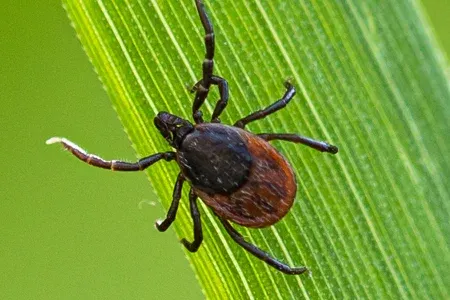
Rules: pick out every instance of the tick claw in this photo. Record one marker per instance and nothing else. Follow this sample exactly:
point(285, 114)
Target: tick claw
point(288, 82)
point(158, 225)
point(54, 140)
point(333, 149)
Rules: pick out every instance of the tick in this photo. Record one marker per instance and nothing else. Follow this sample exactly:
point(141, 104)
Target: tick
point(238, 174)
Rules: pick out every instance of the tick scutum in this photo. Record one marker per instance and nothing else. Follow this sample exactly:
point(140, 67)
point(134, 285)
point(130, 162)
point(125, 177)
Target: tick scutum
point(215, 158)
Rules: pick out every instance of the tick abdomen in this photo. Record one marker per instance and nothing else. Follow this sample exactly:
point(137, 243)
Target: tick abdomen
point(239, 175)
point(215, 158)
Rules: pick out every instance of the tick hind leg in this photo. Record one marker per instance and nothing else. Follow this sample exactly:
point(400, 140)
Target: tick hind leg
point(318, 145)
point(202, 87)
point(198, 233)
point(260, 114)
point(264, 256)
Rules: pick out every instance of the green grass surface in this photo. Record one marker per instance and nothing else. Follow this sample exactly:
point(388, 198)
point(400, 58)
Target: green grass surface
point(370, 222)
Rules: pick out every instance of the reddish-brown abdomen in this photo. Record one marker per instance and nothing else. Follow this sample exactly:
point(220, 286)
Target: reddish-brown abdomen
point(268, 193)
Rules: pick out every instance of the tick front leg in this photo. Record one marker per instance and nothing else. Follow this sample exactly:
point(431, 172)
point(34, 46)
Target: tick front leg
point(198, 234)
point(202, 87)
point(115, 165)
point(223, 101)
point(172, 213)
point(264, 256)
point(295, 138)
point(260, 114)
point(208, 63)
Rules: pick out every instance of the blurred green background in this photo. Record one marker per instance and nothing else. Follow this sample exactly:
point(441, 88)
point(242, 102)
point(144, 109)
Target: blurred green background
point(69, 231)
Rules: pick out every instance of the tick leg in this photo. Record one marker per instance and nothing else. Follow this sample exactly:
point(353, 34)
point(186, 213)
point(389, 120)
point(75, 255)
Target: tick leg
point(208, 63)
point(260, 114)
point(237, 237)
point(318, 145)
point(198, 234)
point(115, 165)
point(202, 87)
point(172, 213)
point(223, 101)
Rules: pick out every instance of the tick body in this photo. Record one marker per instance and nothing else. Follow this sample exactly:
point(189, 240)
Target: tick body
point(236, 173)
point(245, 180)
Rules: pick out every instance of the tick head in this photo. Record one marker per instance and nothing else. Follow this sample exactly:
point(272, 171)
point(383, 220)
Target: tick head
point(172, 128)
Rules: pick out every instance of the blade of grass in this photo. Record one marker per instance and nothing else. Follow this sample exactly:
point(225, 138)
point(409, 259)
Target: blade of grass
point(371, 222)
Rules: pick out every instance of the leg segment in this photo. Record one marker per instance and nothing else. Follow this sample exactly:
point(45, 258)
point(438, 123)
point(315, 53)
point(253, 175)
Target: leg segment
point(223, 101)
point(260, 114)
point(172, 213)
point(198, 234)
point(208, 63)
point(318, 145)
point(202, 87)
point(115, 165)
point(259, 253)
